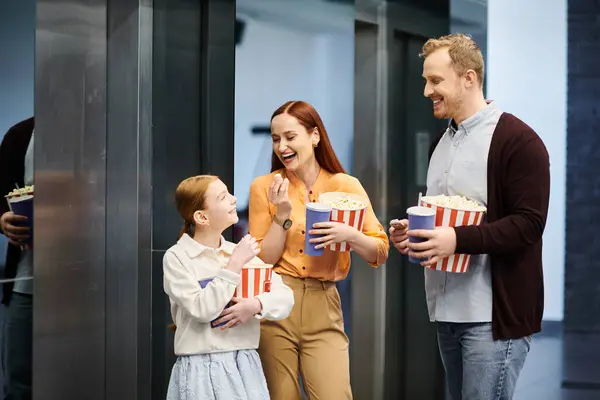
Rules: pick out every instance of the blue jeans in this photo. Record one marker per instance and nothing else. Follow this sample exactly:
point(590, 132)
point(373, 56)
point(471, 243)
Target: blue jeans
point(477, 366)
point(18, 346)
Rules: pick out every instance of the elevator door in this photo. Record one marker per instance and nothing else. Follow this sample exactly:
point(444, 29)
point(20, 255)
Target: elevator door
point(412, 128)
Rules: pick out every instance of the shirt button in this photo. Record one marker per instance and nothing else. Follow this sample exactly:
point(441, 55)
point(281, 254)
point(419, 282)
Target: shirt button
point(446, 172)
point(303, 232)
point(441, 287)
point(303, 267)
point(310, 192)
point(301, 251)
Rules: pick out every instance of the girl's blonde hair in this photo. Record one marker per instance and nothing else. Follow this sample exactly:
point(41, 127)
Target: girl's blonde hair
point(190, 197)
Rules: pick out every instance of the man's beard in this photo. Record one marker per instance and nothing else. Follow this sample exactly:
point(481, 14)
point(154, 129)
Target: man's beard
point(451, 106)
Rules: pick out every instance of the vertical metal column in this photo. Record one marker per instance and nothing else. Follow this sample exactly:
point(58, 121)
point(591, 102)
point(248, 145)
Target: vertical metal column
point(70, 205)
point(128, 199)
point(193, 115)
point(393, 352)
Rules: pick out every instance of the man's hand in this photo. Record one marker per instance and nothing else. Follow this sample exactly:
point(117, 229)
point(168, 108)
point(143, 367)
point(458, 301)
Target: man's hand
point(441, 243)
point(16, 234)
point(398, 235)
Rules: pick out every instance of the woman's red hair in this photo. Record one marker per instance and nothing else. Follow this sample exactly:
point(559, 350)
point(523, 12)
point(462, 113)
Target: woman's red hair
point(308, 117)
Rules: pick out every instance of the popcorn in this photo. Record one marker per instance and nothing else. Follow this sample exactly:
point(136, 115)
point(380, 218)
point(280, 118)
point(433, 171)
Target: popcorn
point(346, 208)
point(27, 190)
point(454, 202)
point(346, 204)
point(398, 224)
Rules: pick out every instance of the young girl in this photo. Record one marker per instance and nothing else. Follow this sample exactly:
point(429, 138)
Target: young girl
point(216, 360)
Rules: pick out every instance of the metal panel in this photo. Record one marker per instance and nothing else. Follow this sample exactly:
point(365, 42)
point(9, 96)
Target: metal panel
point(70, 108)
point(368, 342)
point(176, 152)
point(388, 308)
point(193, 92)
point(218, 90)
point(128, 207)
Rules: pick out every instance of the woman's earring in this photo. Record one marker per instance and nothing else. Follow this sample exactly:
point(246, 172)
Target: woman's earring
point(315, 145)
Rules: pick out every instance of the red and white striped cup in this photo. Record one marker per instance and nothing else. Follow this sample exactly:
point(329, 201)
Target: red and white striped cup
point(354, 218)
point(445, 216)
point(256, 279)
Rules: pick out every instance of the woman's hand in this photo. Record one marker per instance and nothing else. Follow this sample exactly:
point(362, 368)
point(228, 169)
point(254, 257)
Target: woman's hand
point(278, 195)
point(333, 232)
point(240, 313)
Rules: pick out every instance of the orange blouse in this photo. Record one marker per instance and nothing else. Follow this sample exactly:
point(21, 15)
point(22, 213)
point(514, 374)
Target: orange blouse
point(331, 266)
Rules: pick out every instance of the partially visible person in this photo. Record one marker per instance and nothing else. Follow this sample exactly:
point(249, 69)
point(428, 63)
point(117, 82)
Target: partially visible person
point(16, 169)
point(311, 343)
point(485, 317)
point(219, 362)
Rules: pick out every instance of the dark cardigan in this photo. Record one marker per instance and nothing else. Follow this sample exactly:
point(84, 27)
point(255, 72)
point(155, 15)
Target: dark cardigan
point(12, 171)
point(518, 189)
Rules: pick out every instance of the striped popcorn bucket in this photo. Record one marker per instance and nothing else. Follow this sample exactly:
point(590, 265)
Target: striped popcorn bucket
point(354, 218)
point(458, 263)
point(256, 279)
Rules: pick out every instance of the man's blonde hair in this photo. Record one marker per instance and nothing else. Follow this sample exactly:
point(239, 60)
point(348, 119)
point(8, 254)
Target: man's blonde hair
point(463, 51)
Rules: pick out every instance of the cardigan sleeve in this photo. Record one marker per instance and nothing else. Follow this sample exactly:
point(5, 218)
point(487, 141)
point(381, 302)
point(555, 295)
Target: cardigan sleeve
point(525, 196)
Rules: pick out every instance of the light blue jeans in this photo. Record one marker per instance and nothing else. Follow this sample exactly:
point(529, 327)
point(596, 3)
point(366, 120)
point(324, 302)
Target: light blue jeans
point(477, 366)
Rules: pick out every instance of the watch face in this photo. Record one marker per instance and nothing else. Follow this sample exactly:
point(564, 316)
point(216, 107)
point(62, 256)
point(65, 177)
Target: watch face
point(287, 223)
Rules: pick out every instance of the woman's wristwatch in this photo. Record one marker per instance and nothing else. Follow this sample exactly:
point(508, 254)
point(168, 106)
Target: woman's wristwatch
point(285, 223)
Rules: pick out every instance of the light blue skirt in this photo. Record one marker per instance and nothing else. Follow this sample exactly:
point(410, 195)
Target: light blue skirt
point(234, 375)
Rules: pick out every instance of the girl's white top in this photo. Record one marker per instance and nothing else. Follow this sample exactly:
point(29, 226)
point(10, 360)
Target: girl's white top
point(192, 308)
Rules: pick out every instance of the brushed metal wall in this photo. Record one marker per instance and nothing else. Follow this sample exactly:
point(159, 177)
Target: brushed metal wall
point(129, 97)
point(394, 349)
point(128, 264)
point(70, 215)
point(93, 200)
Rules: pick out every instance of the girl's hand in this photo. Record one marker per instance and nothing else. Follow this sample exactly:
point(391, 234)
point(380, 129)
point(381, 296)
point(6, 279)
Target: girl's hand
point(333, 232)
point(243, 253)
point(238, 314)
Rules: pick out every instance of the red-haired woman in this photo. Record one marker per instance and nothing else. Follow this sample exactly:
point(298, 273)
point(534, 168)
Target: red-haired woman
point(311, 342)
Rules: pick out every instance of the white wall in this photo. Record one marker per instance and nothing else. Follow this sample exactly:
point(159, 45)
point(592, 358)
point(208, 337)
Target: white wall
point(17, 47)
point(527, 76)
point(276, 63)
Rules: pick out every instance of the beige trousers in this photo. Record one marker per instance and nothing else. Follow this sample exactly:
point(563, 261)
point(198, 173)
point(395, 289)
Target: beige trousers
point(311, 342)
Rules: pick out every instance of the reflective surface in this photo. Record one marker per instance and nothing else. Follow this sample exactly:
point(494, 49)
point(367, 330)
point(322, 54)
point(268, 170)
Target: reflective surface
point(128, 200)
point(70, 213)
point(192, 117)
point(394, 125)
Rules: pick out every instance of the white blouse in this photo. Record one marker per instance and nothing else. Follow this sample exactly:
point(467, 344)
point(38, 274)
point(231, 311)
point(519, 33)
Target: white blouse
point(193, 308)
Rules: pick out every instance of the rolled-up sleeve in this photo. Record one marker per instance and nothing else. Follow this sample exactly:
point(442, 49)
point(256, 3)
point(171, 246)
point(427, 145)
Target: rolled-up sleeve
point(276, 304)
point(371, 226)
point(259, 212)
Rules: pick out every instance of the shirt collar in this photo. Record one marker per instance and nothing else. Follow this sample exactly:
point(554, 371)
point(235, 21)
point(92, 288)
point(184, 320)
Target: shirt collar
point(194, 249)
point(471, 123)
point(295, 181)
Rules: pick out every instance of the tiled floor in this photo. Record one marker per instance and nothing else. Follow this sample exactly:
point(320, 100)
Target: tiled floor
point(541, 375)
